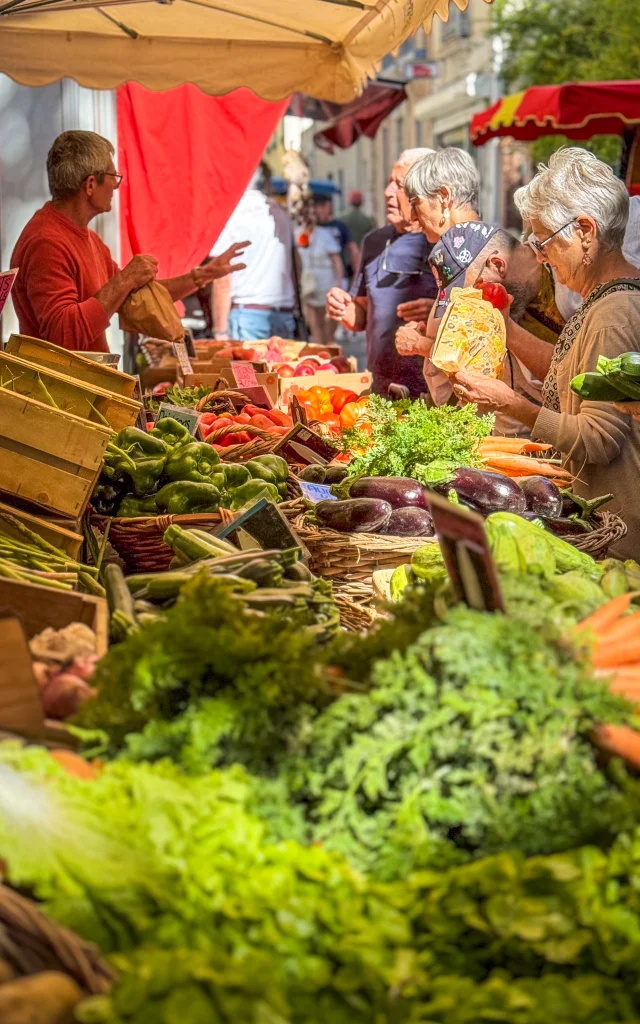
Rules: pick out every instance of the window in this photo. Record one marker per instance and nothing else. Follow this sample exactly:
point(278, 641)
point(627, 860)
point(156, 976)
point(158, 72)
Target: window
point(458, 26)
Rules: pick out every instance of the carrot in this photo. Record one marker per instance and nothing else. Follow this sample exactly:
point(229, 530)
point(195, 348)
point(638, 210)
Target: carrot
point(624, 629)
point(612, 655)
point(512, 445)
point(620, 740)
point(522, 465)
point(602, 619)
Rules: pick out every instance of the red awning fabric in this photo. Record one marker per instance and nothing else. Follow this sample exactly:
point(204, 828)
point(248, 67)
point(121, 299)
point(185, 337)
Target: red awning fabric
point(361, 117)
point(578, 110)
point(186, 159)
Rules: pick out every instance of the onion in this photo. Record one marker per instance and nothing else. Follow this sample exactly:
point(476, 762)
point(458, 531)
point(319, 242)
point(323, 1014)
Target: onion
point(64, 694)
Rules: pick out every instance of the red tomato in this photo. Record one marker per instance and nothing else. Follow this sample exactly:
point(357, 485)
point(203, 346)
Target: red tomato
point(331, 420)
point(496, 294)
point(341, 398)
point(207, 418)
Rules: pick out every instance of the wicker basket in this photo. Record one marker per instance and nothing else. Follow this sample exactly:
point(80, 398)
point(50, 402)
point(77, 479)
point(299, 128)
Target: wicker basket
point(32, 943)
point(261, 443)
point(139, 542)
point(356, 608)
point(609, 530)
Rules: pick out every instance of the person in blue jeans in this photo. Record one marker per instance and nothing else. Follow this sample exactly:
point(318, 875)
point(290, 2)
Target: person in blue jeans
point(260, 301)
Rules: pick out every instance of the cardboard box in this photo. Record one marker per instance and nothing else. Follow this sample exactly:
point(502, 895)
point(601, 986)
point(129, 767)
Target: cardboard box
point(358, 382)
point(151, 376)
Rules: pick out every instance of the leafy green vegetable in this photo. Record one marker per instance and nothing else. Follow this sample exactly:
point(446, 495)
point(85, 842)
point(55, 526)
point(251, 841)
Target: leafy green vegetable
point(409, 439)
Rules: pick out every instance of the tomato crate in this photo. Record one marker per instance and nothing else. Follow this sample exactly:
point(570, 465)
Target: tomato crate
point(48, 458)
point(71, 364)
point(65, 394)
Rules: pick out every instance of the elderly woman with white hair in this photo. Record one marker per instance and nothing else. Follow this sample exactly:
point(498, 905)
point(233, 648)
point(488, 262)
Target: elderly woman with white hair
point(578, 211)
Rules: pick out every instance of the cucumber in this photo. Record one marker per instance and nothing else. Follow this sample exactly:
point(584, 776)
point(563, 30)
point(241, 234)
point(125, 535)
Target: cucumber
point(595, 387)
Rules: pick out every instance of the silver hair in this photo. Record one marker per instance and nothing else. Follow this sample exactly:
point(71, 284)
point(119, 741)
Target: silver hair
point(411, 156)
point(575, 183)
point(451, 167)
point(72, 158)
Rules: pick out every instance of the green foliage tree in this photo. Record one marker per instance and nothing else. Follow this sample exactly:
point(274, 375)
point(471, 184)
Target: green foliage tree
point(554, 41)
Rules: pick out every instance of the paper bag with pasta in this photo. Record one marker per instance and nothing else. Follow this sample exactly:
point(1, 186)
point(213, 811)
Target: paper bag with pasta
point(472, 335)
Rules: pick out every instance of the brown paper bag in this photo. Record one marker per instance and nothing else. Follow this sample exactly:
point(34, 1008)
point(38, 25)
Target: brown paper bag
point(150, 310)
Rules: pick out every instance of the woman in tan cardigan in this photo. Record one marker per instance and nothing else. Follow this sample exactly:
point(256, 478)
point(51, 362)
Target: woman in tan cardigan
point(578, 210)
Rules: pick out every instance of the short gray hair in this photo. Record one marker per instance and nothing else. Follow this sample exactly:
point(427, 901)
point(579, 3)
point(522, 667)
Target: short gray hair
point(451, 167)
point(72, 158)
point(573, 184)
point(408, 157)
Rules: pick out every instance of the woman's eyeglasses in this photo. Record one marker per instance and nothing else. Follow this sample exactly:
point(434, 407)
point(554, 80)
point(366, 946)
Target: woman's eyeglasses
point(538, 246)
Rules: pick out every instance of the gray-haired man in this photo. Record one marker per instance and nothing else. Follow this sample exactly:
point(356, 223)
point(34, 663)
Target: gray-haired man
point(394, 285)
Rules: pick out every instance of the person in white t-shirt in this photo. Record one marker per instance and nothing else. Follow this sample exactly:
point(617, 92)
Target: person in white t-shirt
point(260, 301)
point(322, 270)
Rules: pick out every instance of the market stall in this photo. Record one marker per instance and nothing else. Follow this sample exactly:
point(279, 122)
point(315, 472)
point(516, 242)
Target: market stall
point(578, 110)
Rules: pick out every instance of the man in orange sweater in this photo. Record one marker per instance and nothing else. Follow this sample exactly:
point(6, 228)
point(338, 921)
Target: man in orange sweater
point(68, 286)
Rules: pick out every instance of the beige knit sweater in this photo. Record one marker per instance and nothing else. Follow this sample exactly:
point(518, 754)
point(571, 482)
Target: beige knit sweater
point(601, 444)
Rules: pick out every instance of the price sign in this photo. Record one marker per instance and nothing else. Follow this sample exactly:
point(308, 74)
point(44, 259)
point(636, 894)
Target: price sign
point(244, 374)
point(258, 396)
point(266, 525)
point(298, 412)
point(187, 417)
point(180, 352)
point(141, 420)
point(302, 444)
point(6, 284)
point(466, 554)
point(316, 492)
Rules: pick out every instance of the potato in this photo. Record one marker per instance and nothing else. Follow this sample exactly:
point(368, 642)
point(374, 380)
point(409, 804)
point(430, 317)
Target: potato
point(47, 998)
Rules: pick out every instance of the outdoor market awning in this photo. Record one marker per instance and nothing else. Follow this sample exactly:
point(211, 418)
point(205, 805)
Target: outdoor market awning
point(363, 116)
point(325, 48)
point(578, 110)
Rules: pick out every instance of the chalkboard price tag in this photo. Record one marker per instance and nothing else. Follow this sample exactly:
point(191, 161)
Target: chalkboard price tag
point(466, 554)
point(187, 417)
point(316, 492)
point(302, 444)
point(266, 525)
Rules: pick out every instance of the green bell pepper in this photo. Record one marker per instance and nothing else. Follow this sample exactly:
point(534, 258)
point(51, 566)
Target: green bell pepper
point(138, 443)
point(171, 432)
point(275, 463)
point(130, 508)
point(146, 476)
point(251, 492)
point(196, 461)
point(258, 471)
point(235, 475)
point(185, 496)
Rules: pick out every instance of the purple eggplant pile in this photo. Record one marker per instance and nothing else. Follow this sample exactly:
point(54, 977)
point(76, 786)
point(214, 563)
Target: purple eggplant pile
point(390, 505)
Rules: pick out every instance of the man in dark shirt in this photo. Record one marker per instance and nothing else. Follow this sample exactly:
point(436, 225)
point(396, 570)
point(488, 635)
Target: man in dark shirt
point(394, 285)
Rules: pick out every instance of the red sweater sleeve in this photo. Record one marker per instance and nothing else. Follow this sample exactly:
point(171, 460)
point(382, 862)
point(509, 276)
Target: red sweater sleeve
point(53, 293)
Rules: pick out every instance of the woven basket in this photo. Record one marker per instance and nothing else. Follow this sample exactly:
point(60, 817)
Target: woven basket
point(355, 603)
point(139, 541)
point(262, 442)
point(32, 943)
point(350, 557)
point(609, 530)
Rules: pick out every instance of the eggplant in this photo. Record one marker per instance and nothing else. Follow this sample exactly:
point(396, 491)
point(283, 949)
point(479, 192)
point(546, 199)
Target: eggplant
point(399, 491)
point(542, 496)
point(335, 474)
point(313, 474)
point(486, 492)
point(409, 522)
point(355, 515)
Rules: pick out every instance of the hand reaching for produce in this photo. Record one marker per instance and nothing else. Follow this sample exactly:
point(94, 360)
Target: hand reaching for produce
point(412, 340)
point(489, 394)
point(417, 309)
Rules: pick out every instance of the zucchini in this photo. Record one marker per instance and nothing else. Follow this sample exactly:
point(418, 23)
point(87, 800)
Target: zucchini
point(623, 372)
point(120, 601)
point(630, 365)
point(596, 387)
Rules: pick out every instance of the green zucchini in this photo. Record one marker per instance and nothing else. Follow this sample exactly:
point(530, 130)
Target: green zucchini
point(596, 387)
point(630, 365)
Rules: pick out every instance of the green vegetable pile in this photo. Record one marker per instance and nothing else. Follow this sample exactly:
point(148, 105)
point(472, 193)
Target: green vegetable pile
point(167, 471)
point(409, 439)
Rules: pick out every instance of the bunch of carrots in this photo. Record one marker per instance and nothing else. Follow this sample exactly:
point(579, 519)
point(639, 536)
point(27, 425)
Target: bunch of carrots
point(616, 658)
point(511, 456)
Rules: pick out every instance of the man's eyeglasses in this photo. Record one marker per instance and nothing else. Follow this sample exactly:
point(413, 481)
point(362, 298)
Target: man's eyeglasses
point(108, 174)
point(387, 259)
point(538, 247)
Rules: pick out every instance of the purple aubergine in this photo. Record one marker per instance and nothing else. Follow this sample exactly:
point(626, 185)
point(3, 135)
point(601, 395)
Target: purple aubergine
point(355, 515)
point(399, 491)
point(487, 492)
point(409, 522)
point(542, 496)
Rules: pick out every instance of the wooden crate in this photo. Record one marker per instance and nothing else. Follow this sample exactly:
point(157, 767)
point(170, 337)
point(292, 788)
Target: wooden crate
point(48, 458)
point(71, 364)
point(39, 607)
point(60, 537)
point(71, 396)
